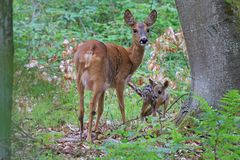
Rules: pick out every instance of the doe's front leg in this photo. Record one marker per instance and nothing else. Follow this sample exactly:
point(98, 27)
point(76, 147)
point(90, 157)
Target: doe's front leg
point(120, 90)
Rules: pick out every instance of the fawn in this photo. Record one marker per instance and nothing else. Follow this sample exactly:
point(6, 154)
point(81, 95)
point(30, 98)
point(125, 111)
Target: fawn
point(101, 66)
point(154, 95)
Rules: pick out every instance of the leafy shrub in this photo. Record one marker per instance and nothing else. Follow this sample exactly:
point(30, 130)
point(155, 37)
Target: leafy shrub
point(216, 136)
point(219, 128)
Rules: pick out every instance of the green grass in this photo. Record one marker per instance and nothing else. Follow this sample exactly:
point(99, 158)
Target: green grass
point(134, 150)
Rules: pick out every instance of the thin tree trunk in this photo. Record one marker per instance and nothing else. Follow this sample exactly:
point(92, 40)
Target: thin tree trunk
point(6, 76)
point(213, 44)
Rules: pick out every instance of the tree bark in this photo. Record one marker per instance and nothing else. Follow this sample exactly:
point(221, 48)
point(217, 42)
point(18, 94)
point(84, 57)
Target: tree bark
point(213, 45)
point(6, 76)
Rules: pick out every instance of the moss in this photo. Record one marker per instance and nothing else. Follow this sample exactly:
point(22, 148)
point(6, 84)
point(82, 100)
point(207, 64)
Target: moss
point(233, 9)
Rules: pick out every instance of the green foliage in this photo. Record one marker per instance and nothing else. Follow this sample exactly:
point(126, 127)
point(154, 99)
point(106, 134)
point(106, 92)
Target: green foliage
point(235, 5)
point(39, 29)
point(57, 115)
point(40, 26)
point(219, 129)
point(160, 141)
point(49, 155)
point(27, 83)
point(136, 150)
point(234, 10)
point(48, 138)
point(217, 132)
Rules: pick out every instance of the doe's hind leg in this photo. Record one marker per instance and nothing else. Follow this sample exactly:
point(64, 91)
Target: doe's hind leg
point(94, 100)
point(99, 110)
point(80, 88)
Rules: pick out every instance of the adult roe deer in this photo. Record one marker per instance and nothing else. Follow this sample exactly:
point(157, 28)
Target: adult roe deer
point(100, 66)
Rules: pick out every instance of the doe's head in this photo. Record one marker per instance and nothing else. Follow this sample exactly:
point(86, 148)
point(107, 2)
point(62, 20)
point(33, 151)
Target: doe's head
point(140, 30)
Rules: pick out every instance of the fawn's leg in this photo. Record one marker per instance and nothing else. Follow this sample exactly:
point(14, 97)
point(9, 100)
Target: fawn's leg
point(120, 89)
point(148, 111)
point(144, 110)
point(99, 110)
point(154, 110)
point(165, 108)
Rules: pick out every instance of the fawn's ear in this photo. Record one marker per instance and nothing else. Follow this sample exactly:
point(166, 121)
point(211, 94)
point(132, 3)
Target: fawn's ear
point(128, 17)
point(151, 19)
point(166, 83)
point(152, 83)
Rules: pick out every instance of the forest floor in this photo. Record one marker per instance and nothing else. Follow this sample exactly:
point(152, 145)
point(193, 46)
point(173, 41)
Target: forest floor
point(111, 135)
point(71, 146)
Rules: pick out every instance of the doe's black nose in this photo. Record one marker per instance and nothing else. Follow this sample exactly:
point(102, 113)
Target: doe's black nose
point(143, 40)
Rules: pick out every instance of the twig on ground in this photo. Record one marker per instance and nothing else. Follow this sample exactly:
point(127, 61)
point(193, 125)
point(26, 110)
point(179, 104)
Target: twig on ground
point(127, 122)
point(23, 132)
point(140, 136)
point(176, 101)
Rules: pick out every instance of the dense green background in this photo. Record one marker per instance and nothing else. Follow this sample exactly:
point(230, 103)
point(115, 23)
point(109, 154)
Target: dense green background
point(41, 26)
point(40, 108)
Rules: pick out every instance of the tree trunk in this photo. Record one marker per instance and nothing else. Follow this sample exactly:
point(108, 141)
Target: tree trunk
point(213, 45)
point(6, 76)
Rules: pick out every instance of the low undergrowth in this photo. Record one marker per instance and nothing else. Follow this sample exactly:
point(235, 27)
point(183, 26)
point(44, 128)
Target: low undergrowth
point(53, 133)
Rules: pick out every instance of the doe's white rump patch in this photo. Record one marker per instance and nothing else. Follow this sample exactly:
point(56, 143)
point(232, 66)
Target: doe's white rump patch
point(88, 58)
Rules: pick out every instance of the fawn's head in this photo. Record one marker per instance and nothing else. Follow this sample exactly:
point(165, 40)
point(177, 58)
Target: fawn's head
point(140, 30)
point(158, 88)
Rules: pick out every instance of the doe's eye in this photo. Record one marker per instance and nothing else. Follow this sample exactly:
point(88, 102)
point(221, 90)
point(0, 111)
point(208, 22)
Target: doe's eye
point(159, 92)
point(148, 30)
point(135, 31)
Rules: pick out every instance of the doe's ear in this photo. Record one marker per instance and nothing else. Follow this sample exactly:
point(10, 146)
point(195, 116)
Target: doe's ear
point(151, 19)
point(128, 17)
point(166, 84)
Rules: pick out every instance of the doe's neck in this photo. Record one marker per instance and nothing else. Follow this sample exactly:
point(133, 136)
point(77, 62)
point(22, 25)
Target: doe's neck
point(136, 53)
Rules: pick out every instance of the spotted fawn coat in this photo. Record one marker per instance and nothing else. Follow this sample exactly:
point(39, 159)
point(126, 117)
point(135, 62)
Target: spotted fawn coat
point(153, 95)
